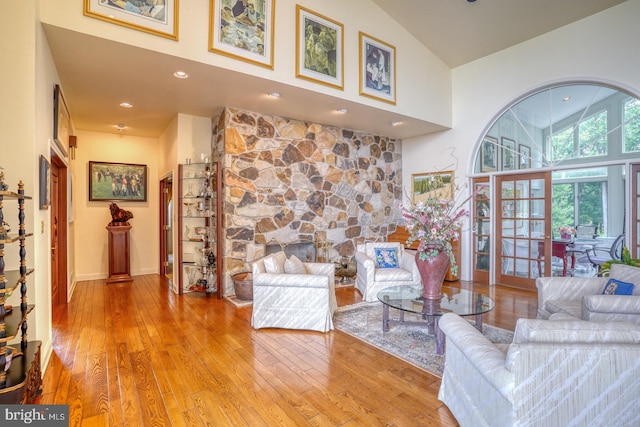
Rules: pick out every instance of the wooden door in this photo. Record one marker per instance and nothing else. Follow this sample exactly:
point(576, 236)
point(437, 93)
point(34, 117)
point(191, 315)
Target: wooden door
point(632, 239)
point(59, 230)
point(481, 217)
point(55, 286)
point(523, 220)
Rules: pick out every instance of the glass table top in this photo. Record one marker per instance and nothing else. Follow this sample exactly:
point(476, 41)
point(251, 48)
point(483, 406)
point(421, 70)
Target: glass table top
point(458, 301)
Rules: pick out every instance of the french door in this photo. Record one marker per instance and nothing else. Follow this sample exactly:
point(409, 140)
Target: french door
point(523, 228)
point(634, 237)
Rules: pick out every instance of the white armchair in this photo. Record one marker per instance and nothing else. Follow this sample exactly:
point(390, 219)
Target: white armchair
point(581, 297)
point(293, 294)
point(370, 279)
point(554, 373)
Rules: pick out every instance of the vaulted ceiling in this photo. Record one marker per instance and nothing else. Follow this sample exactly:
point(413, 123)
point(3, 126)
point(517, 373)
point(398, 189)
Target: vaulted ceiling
point(457, 31)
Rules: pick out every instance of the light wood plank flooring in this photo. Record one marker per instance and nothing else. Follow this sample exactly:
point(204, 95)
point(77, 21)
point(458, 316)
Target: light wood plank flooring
point(135, 354)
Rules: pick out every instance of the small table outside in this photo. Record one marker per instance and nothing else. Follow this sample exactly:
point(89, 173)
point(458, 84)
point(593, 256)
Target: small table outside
point(408, 299)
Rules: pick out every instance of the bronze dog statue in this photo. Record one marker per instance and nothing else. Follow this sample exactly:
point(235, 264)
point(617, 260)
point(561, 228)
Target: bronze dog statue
point(119, 216)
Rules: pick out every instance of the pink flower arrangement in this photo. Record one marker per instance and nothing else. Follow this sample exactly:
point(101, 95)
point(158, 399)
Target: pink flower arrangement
point(435, 223)
point(565, 230)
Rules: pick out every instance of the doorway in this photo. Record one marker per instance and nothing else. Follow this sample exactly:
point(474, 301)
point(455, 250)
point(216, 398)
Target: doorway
point(166, 228)
point(59, 231)
point(523, 228)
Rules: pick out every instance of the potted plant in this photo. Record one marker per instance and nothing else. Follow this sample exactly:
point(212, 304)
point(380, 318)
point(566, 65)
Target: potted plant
point(626, 259)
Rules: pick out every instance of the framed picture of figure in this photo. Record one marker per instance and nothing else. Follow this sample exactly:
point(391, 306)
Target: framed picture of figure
point(159, 17)
point(117, 182)
point(319, 48)
point(489, 155)
point(243, 29)
point(377, 69)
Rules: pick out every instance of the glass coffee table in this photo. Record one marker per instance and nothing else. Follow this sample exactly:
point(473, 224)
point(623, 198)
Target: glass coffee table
point(408, 299)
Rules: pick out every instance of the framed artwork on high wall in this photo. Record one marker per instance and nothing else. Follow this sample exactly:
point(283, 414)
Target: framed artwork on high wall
point(159, 17)
point(61, 121)
point(319, 49)
point(524, 155)
point(117, 182)
point(243, 29)
point(377, 69)
point(509, 154)
point(489, 155)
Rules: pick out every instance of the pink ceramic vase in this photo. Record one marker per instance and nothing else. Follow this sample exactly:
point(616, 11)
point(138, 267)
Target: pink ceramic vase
point(432, 272)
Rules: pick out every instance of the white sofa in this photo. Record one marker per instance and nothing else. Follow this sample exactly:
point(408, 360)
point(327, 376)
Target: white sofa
point(554, 373)
point(581, 297)
point(303, 299)
point(370, 280)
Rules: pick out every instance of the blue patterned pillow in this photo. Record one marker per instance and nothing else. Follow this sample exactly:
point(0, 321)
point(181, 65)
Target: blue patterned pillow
point(386, 257)
point(617, 287)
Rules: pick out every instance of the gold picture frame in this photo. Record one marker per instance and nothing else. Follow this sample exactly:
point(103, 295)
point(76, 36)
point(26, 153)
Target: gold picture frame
point(61, 121)
point(319, 49)
point(377, 69)
point(243, 30)
point(437, 185)
point(160, 20)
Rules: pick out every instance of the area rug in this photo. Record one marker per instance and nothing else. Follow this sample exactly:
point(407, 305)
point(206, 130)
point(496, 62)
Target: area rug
point(410, 343)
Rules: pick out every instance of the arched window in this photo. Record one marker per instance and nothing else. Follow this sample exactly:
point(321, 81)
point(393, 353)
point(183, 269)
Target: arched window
point(562, 125)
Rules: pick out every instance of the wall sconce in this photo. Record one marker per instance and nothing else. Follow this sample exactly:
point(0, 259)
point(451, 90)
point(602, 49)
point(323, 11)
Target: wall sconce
point(73, 144)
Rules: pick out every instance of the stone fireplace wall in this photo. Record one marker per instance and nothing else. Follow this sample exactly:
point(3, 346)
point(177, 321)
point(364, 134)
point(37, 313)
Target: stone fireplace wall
point(289, 181)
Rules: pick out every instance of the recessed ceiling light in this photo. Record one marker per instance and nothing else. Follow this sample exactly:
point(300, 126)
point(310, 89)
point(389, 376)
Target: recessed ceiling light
point(342, 110)
point(567, 99)
point(120, 126)
point(126, 105)
point(275, 95)
point(181, 75)
point(395, 123)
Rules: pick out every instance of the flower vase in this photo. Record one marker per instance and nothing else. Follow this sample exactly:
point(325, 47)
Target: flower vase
point(432, 272)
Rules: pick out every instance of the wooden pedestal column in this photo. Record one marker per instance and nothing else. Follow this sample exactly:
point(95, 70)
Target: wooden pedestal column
point(119, 264)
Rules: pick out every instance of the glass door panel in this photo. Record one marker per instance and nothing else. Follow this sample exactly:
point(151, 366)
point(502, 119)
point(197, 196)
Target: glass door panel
point(521, 227)
point(482, 231)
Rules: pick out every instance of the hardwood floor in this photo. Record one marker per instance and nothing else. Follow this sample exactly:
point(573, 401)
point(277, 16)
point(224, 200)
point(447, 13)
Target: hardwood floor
point(135, 354)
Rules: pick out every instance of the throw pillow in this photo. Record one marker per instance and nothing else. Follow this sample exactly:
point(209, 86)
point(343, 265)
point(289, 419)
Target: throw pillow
point(275, 263)
point(294, 266)
point(617, 287)
point(386, 258)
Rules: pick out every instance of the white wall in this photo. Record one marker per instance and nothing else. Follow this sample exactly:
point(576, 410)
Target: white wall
point(602, 48)
point(423, 80)
point(92, 217)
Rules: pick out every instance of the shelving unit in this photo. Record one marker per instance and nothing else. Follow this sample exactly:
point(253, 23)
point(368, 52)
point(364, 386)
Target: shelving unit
point(22, 381)
point(199, 229)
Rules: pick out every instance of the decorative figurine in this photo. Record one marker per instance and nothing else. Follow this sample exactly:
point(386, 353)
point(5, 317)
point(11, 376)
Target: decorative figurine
point(3, 185)
point(119, 216)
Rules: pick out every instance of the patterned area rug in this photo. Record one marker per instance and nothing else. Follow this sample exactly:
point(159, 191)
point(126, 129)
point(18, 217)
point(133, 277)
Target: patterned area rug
point(410, 343)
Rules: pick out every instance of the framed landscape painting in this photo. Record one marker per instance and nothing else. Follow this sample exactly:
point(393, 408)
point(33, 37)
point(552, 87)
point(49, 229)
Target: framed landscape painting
point(243, 29)
point(117, 181)
point(436, 185)
point(319, 48)
point(159, 17)
point(377, 69)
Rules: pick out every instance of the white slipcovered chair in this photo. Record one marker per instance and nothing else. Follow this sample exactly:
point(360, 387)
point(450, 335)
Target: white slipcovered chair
point(554, 373)
point(370, 279)
point(291, 294)
point(582, 297)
